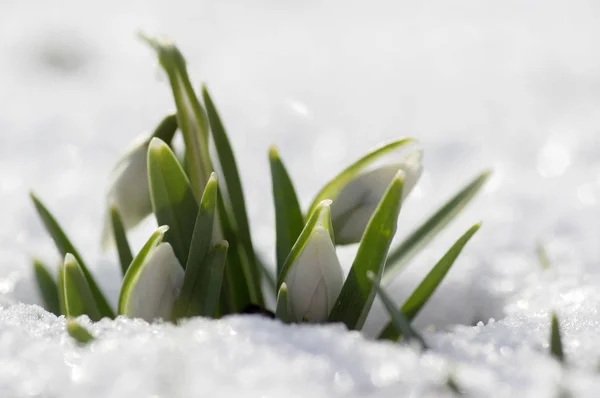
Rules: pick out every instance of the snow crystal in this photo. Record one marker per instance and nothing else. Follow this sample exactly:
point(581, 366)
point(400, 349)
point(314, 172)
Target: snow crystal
point(509, 85)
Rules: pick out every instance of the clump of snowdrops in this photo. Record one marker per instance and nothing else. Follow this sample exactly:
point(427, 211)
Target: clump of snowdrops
point(201, 260)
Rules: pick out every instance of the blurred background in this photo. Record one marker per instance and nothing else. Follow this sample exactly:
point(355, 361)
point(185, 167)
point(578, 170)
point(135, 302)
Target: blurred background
point(513, 86)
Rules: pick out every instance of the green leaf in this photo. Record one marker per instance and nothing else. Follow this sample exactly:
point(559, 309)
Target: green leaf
point(61, 288)
point(427, 287)
point(321, 215)
point(172, 198)
point(166, 128)
point(289, 220)
point(235, 194)
point(125, 256)
point(47, 287)
point(134, 271)
point(337, 183)
point(556, 346)
point(357, 295)
point(236, 292)
point(80, 334)
point(281, 310)
point(400, 322)
point(207, 290)
point(199, 272)
point(78, 297)
point(65, 246)
point(269, 277)
point(191, 117)
point(542, 256)
point(419, 238)
point(453, 385)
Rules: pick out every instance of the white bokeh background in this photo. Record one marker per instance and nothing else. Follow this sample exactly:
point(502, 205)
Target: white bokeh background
point(513, 85)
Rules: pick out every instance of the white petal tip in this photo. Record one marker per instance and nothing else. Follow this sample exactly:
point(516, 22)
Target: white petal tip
point(70, 261)
point(163, 229)
point(157, 143)
point(325, 203)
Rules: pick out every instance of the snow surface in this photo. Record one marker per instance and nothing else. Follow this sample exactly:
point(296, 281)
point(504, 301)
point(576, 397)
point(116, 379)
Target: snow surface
point(512, 85)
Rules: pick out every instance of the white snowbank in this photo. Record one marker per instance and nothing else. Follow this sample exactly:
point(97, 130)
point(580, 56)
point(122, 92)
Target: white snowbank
point(510, 85)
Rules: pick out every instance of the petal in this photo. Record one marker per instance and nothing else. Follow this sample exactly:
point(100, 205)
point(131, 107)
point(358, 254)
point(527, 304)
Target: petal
point(356, 202)
point(318, 308)
point(314, 278)
point(157, 286)
point(129, 191)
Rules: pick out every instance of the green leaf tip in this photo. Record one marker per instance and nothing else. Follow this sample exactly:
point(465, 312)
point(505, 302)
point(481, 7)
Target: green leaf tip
point(281, 310)
point(64, 246)
point(556, 346)
point(421, 295)
point(120, 236)
point(400, 322)
point(47, 287)
point(431, 227)
point(78, 297)
point(191, 116)
point(273, 152)
point(79, 333)
point(542, 256)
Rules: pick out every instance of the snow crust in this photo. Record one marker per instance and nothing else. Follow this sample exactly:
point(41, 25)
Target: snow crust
point(510, 85)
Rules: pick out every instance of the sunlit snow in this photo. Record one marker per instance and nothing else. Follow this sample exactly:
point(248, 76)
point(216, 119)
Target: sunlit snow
point(508, 85)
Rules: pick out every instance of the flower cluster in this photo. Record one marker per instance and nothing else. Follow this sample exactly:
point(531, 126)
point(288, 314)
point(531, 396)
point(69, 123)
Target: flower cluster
point(201, 260)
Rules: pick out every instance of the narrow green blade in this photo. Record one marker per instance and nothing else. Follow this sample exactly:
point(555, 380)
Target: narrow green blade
point(427, 287)
point(125, 256)
point(166, 128)
point(235, 194)
point(335, 185)
point(289, 220)
point(65, 246)
point(47, 286)
point(191, 117)
point(281, 310)
point(453, 385)
point(269, 277)
point(80, 334)
point(419, 238)
point(61, 288)
point(133, 272)
point(236, 293)
point(198, 271)
point(399, 320)
point(556, 346)
point(207, 290)
point(357, 295)
point(78, 296)
point(172, 198)
point(542, 256)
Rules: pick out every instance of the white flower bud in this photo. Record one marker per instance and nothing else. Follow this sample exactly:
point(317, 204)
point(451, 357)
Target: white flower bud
point(128, 188)
point(351, 210)
point(157, 286)
point(315, 279)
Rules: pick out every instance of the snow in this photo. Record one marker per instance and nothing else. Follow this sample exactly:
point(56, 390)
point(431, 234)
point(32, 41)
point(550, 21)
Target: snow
point(510, 85)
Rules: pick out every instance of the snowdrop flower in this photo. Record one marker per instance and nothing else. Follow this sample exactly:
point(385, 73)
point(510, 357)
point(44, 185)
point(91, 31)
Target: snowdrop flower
point(156, 286)
point(128, 188)
point(352, 208)
point(315, 277)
